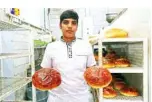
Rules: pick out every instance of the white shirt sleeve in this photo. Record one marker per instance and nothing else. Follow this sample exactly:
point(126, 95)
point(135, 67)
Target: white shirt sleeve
point(90, 58)
point(47, 61)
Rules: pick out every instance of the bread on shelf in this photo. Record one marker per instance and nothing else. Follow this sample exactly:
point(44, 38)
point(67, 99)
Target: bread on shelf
point(111, 54)
point(129, 91)
point(108, 63)
point(119, 85)
point(122, 62)
point(109, 92)
point(115, 33)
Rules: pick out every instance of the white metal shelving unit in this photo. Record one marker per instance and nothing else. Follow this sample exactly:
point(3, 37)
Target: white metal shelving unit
point(13, 55)
point(9, 85)
point(138, 53)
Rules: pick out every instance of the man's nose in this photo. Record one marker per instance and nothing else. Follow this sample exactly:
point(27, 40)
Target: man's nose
point(70, 25)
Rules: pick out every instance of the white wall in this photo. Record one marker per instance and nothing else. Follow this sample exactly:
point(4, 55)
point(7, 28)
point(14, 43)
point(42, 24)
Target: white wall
point(136, 22)
point(34, 16)
point(98, 16)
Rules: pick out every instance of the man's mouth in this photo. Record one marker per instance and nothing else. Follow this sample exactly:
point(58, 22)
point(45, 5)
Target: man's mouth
point(69, 31)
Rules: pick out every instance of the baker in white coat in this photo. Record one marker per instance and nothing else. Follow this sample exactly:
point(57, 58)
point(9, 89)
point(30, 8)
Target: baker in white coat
point(70, 56)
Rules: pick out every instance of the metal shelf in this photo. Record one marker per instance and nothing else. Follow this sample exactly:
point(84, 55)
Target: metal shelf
point(9, 85)
point(12, 22)
point(9, 22)
point(13, 55)
point(132, 69)
point(122, 39)
point(7, 25)
point(121, 98)
point(127, 70)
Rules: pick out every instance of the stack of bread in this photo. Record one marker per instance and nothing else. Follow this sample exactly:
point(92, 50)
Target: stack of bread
point(111, 60)
point(118, 85)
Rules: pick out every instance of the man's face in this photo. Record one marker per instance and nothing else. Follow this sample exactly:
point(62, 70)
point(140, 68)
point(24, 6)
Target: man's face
point(69, 27)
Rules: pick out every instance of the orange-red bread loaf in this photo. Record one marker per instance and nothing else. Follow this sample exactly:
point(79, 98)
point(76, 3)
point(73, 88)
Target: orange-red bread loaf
point(122, 62)
point(97, 77)
point(108, 63)
point(129, 91)
point(109, 92)
point(46, 79)
point(119, 85)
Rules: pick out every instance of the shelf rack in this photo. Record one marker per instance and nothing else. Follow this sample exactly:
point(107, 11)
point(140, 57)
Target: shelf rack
point(132, 69)
point(9, 22)
point(121, 98)
point(13, 55)
point(9, 85)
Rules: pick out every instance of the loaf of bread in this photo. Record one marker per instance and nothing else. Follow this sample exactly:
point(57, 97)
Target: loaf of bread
point(129, 91)
point(109, 92)
point(97, 77)
point(108, 63)
point(122, 62)
point(111, 55)
point(46, 79)
point(116, 33)
point(119, 85)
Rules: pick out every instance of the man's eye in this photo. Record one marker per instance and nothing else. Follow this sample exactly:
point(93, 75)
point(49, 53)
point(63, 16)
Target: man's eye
point(65, 22)
point(74, 23)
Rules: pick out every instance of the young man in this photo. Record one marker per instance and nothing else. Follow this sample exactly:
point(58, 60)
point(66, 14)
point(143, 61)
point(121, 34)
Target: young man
point(70, 56)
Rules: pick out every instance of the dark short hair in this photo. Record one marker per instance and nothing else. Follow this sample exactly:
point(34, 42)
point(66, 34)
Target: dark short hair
point(69, 14)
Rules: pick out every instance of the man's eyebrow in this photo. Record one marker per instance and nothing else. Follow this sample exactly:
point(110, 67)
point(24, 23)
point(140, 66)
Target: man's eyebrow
point(68, 20)
point(74, 21)
point(65, 20)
